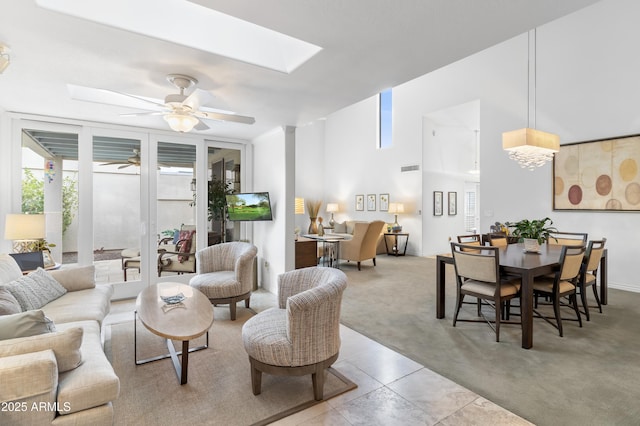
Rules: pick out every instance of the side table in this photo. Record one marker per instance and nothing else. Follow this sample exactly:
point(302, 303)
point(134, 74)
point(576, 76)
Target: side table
point(395, 248)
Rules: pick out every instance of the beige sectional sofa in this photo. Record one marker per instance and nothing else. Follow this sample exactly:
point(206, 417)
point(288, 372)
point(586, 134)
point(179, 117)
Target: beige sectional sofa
point(59, 377)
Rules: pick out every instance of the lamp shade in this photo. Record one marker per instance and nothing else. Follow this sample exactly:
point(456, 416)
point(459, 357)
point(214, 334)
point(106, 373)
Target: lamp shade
point(395, 208)
point(332, 207)
point(24, 227)
point(299, 206)
point(531, 148)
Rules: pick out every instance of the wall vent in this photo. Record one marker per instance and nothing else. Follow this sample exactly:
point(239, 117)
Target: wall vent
point(409, 168)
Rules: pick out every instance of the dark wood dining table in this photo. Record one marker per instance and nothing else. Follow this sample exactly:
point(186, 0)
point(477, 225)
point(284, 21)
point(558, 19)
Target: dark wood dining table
point(514, 260)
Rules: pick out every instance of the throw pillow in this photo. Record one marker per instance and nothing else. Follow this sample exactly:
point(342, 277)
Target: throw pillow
point(35, 290)
point(185, 244)
point(64, 344)
point(8, 304)
point(74, 279)
point(24, 324)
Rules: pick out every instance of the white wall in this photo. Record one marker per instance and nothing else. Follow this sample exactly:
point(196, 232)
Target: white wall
point(587, 88)
point(273, 172)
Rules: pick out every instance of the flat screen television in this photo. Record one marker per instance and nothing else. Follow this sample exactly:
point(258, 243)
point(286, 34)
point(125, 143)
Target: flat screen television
point(249, 206)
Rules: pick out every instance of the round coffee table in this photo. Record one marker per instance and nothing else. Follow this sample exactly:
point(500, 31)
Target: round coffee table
point(185, 321)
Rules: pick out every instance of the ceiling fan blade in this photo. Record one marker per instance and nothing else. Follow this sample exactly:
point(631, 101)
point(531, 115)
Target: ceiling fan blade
point(197, 98)
point(113, 163)
point(112, 97)
point(124, 166)
point(225, 117)
point(201, 126)
point(142, 114)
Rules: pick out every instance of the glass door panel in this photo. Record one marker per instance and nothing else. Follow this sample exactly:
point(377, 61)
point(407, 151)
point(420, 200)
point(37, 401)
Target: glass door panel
point(116, 208)
point(224, 166)
point(49, 185)
point(176, 209)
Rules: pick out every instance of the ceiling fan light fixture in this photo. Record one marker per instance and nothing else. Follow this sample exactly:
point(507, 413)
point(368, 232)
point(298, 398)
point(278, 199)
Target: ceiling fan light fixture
point(181, 122)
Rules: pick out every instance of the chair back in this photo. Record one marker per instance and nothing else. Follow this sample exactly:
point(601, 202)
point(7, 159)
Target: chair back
point(571, 258)
point(567, 239)
point(370, 241)
point(312, 297)
point(592, 256)
point(470, 240)
point(479, 265)
point(497, 239)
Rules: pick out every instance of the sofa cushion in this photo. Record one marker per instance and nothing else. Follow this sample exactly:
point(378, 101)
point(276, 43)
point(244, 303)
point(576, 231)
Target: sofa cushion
point(64, 344)
point(81, 305)
point(8, 304)
point(74, 279)
point(93, 383)
point(9, 269)
point(24, 324)
point(35, 290)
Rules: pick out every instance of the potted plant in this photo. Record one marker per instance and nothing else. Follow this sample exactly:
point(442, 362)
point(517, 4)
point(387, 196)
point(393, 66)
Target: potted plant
point(532, 232)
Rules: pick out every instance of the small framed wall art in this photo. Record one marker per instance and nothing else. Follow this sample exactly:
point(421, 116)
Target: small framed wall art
point(359, 202)
point(453, 203)
point(437, 203)
point(384, 202)
point(371, 202)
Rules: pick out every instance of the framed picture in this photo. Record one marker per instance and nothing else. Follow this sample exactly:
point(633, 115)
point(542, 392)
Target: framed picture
point(384, 202)
point(359, 202)
point(453, 203)
point(598, 175)
point(371, 202)
point(47, 259)
point(437, 203)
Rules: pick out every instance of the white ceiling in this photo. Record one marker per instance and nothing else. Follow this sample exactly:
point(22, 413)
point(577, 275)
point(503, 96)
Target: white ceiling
point(367, 46)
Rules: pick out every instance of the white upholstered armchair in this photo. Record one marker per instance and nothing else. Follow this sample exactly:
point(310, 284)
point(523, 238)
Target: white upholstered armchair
point(302, 335)
point(224, 273)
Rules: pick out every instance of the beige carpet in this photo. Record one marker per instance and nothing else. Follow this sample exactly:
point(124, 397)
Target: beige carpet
point(218, 391)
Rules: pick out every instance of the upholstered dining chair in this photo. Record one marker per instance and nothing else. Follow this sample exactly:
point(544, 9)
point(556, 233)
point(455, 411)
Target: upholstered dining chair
point(589, 273)
point(478, 275)
point(562, 284)
point(470, 240)
point(497, 239)
point(224, 273)
point(567, 238)
point(302, 335)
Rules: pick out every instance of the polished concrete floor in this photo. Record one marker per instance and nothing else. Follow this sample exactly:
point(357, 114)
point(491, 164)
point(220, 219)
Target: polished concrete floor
point(392, 389)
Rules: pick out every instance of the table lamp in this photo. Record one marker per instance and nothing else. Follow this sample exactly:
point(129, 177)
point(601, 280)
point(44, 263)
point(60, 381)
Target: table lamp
point(332, 208)
point(395, 209)
point(299, 206)
point(24, 230)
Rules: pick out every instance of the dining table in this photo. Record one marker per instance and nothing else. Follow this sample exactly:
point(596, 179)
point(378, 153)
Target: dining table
point(514, 260)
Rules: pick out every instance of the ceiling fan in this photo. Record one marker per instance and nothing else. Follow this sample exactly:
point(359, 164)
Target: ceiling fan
point(182, 112)
point(131, 161)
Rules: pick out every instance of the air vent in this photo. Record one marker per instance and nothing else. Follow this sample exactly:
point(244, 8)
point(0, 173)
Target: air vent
point(409, 168)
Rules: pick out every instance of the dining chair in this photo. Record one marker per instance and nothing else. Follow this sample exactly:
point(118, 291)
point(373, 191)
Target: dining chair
point(478, 275)
point(567, 239)
point(589, 272)
point(470, 240)
point(497, 239)
point(562, 284)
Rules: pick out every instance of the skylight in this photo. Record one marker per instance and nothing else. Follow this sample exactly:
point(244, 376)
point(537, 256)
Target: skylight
point(196, 26)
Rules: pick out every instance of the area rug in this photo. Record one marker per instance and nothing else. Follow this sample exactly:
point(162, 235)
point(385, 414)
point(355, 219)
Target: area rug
point(218, 391)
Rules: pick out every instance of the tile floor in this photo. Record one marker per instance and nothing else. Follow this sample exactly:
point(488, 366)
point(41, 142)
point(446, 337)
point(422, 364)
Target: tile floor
point(392, 389)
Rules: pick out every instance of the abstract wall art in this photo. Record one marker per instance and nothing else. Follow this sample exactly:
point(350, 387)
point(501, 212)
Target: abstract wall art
point(598, 175)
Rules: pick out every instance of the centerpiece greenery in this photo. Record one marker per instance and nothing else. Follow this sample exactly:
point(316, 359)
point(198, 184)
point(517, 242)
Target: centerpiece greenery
point(536, 229)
